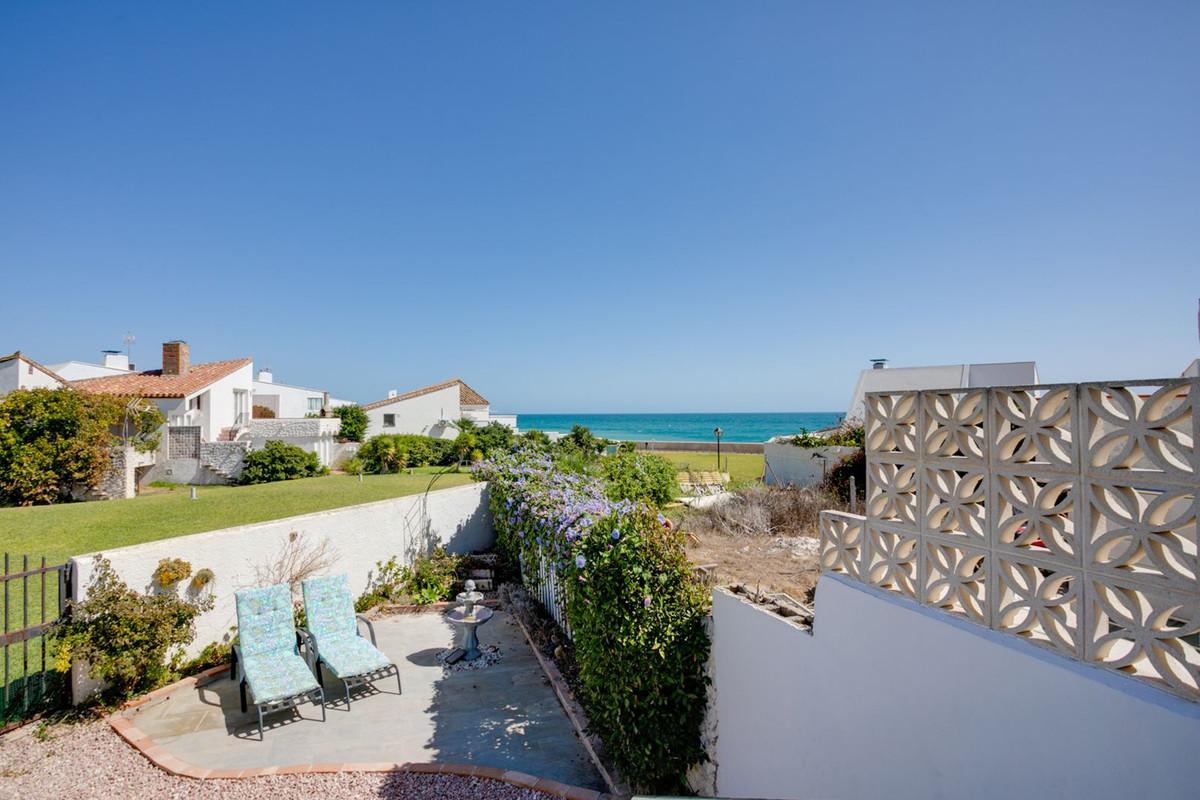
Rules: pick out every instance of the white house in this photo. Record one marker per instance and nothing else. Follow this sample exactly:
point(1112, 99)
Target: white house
point(114, 362)
point(432, 411)
point(291, 402)
point(881, 378)
point(21, 372)
point(214, 397)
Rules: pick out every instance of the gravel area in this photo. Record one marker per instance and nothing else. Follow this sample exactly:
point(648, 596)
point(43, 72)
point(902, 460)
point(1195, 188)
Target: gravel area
point(88, 760)
point(488, 654)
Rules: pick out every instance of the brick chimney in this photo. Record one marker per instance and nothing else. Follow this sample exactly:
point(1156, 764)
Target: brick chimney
point(176, 359)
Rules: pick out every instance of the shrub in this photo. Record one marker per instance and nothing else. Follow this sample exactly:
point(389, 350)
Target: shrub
point(278, 461)
point(837, 477)
point(431, 578)
point(582, 439)
point(495, 438)
point(354, 423)
point(55, 441)
point(353, 466)
point(538, 440)
point(262, 412)
point(125, 636)
point(386, 585)
point(845, 435)
point(643, 478)
point(386, 452)
point(464, 444)
point(636, 613)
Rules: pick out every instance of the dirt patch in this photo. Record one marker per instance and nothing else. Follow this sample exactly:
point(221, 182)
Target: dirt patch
point(764, 538)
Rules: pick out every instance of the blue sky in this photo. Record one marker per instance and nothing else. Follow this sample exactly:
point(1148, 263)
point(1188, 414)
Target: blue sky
point(604, 207)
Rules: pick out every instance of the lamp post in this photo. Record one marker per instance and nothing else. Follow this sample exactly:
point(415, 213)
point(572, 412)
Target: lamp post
point(717, 433)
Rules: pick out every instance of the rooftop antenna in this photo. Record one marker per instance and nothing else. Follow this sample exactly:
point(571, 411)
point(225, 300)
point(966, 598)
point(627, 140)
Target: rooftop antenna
point(129, 340)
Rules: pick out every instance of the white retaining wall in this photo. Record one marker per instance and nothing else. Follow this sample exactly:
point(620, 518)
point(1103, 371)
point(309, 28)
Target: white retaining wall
point(361, 535)
point(789, 465)
point(889, 699)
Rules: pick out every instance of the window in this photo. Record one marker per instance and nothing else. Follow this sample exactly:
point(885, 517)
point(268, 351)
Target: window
point(314, 405)
point(194, 403)
point(389, 420)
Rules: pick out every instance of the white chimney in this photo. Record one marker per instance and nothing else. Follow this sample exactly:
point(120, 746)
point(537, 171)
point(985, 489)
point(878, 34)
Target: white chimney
point(265, 376)
point(392, 393)
point(115, 359)
point(879, 363)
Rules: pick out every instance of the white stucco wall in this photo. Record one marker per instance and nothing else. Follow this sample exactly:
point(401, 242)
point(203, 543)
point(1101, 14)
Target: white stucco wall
point(422, 415)
point(218, 410)
point(289, 401)
point(20, 374)
point(9, 372)
point(889, 699)
point(788, 465)
point(360, 535)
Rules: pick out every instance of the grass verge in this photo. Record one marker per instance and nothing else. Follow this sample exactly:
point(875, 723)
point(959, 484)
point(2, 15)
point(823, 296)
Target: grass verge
point(61, 531)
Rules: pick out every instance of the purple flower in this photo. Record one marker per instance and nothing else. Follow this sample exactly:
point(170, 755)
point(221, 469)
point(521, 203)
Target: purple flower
point(580, 561)
point(646, 601)
point(616, 534)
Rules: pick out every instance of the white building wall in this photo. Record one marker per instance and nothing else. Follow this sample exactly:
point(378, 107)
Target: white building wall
point(889, 699)
point(82, 370)
point(10, 372)
point(20, 374)
point(359, 536)
point(218, 410)
point(949, 376)
point(290, 402)
point(789, 465)
point(426, 415)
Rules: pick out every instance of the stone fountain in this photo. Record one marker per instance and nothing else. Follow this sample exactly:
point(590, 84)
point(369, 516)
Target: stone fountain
point(468, 616)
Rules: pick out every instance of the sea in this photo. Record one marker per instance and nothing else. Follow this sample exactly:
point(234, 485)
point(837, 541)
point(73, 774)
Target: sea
point(685, 427)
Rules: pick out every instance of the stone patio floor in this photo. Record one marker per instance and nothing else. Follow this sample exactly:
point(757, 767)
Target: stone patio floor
point(504, 716)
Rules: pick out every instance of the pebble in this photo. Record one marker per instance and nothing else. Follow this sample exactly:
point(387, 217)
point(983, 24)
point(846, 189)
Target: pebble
point(84, 760)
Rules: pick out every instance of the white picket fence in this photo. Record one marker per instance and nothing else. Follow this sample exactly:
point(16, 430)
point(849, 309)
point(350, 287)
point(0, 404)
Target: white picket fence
point(544, 584)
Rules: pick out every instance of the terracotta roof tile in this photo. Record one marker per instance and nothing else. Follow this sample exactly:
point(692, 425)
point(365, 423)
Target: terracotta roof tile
point(466, 395)
point(154, 384)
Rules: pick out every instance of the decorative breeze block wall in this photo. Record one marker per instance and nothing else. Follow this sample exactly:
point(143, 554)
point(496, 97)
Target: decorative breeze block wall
point(1064, 514)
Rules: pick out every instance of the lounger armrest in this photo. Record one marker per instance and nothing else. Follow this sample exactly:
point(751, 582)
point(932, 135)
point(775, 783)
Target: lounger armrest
point(235, 662)
point(311, 654)
point(370, 627)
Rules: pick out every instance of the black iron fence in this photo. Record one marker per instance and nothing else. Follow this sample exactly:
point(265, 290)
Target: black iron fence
point(34, 595)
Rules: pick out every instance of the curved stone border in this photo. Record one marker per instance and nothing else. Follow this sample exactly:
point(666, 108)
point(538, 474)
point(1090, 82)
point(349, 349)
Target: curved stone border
point(164, 760)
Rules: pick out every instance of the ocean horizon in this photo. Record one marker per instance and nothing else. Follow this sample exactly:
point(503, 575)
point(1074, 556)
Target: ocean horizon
point(685, 427)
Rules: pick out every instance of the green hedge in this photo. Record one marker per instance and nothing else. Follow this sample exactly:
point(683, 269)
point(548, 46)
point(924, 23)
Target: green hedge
point(635, 611)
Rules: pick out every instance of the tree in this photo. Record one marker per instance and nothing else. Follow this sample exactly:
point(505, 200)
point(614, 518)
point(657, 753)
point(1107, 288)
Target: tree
point(54, 442)
point(464, 445)
point(354, 422)
point(582, 439)
point(494, 436)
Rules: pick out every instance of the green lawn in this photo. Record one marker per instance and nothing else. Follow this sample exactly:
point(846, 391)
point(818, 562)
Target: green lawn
point(61, 531)
point(743, 468)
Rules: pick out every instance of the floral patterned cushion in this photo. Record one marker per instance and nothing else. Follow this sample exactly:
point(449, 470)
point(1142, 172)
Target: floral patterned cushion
point(265, 620)
point(278, 675)
point(351, 655)
point(330, 612)
point(329, 607)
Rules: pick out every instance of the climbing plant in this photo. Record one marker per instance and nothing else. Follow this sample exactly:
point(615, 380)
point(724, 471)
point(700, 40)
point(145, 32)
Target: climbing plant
point(636, 614)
